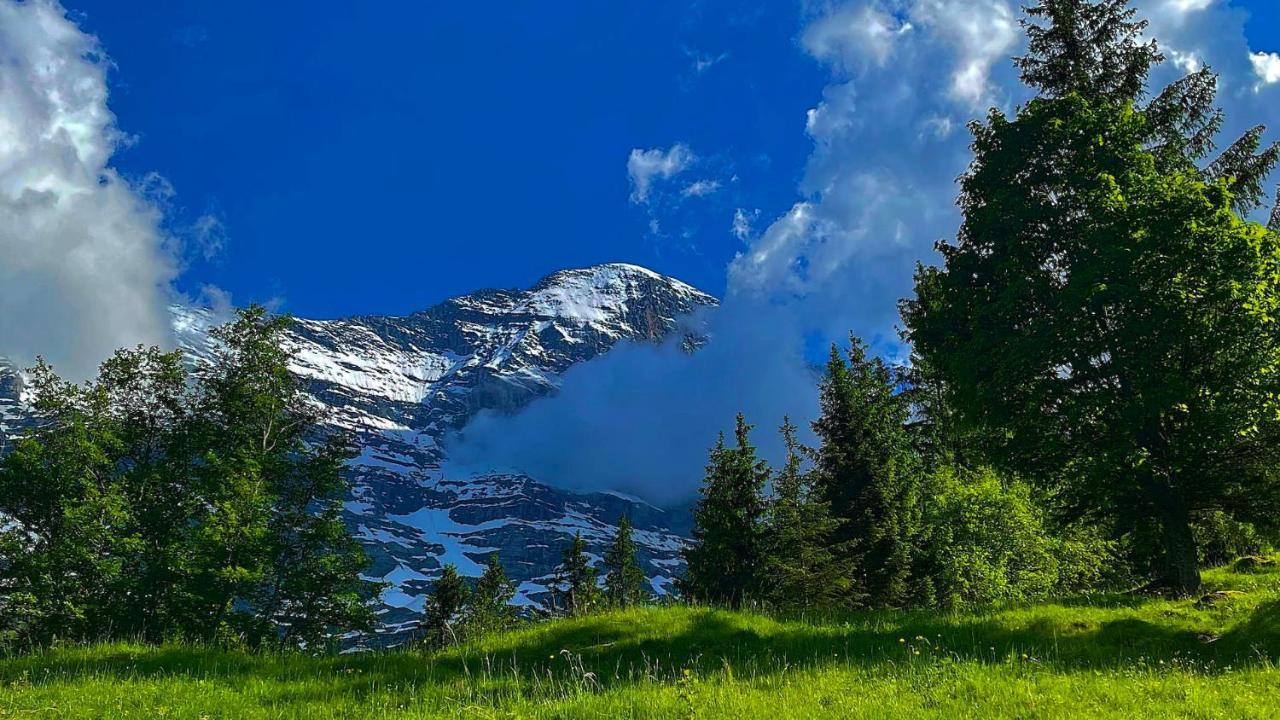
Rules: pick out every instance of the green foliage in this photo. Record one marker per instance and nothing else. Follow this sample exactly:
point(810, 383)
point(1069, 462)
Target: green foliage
point(868, 472)
point(624, 581)
point(725, 555)
point(803, 565)
point(489, 609)
point(1106, 323)
point(1222, 539)
point(575, 590)
point(449, 595)
point(158, 502)
point(989, 541)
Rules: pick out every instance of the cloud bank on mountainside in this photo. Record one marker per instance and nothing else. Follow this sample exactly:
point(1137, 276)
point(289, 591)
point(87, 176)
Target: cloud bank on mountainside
point(889, 139)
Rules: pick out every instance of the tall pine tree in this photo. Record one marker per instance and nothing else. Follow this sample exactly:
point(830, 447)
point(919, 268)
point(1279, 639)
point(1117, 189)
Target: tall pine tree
point(724, 556)
point(804, 565)
point(576, 591)
point(623, 579)
point(489, 609)
point(866, 469)
point(449, 596)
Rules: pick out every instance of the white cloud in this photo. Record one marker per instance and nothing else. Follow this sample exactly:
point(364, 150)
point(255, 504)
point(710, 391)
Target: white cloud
point(703, 63)
point(855, 34)
point(644, 166)
point(744, 224)
point(1267, 67)
point(1187, 62)
point(701, 188)
point(1186, 7)
point(84, 265)
point(980, 33)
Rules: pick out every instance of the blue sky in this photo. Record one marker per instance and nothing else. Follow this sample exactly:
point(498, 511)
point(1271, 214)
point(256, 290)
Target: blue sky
point(796, 157)
point(375, 158)
point(371, 158)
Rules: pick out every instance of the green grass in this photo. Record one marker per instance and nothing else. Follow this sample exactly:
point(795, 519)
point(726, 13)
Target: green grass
point(1105, 657)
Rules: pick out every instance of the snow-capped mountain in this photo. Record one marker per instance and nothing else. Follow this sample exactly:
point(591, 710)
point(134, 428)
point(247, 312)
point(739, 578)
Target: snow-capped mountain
point(400, 384)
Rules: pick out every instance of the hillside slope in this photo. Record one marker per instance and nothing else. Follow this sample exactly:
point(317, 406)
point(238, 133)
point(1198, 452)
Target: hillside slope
point(1105, 657)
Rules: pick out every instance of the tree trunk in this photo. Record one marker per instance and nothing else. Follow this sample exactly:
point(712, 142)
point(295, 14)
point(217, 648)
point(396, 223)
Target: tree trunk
point(1181, 571)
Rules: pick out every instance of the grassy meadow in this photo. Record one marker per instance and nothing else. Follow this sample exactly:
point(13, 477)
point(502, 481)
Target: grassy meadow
point(1100, 657)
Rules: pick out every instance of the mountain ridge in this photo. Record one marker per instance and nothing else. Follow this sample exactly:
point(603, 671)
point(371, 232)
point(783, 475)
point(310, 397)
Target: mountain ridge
point(400, 384)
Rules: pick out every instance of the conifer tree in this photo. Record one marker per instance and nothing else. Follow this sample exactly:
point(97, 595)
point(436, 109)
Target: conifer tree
point(490, 609)
point(724, 556)
point(802, 562)
point(575, 586)
point(623, 579)
point(1091, 47)
point(449, 596)
point(866, 469)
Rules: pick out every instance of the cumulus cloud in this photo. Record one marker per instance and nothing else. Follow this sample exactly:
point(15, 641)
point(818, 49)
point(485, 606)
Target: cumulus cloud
point(646, 166)
point(1267, 67)
point(878, 191)
point(84, 265)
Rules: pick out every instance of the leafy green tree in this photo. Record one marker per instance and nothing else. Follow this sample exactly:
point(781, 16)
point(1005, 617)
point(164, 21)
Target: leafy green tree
point(988, 541)
point(867, 470)
point(725, 554)
point(271, 551)
point(575, 589)
point(161, 502)
point(803, 564)
point(449, 596)
point(623, 579)
point(490, 609)
point(1106, 322)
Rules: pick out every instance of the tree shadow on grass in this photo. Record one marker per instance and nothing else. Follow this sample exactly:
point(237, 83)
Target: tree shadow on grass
point(617, 650)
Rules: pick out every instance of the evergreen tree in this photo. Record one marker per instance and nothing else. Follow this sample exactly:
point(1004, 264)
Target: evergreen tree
point(801, 558)
point(490, 609)
point(448, 598)
point(866, 469)
point(1103, 321)
point(726, 550)
point(623, 579)
point(575, 587)
point(1093, 48)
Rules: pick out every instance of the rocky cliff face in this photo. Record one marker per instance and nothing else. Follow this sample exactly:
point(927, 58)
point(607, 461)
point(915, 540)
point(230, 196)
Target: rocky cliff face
point(400, 384)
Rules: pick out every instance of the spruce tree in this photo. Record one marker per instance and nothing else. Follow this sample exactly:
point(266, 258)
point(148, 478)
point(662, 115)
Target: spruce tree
point(725, 552)
point(866, 469)
point(1103, 321)
point(490, 609)
point(802, 562)
point(449, 596)
point(1091, 47)
point(623, 580)
point(575, 587)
